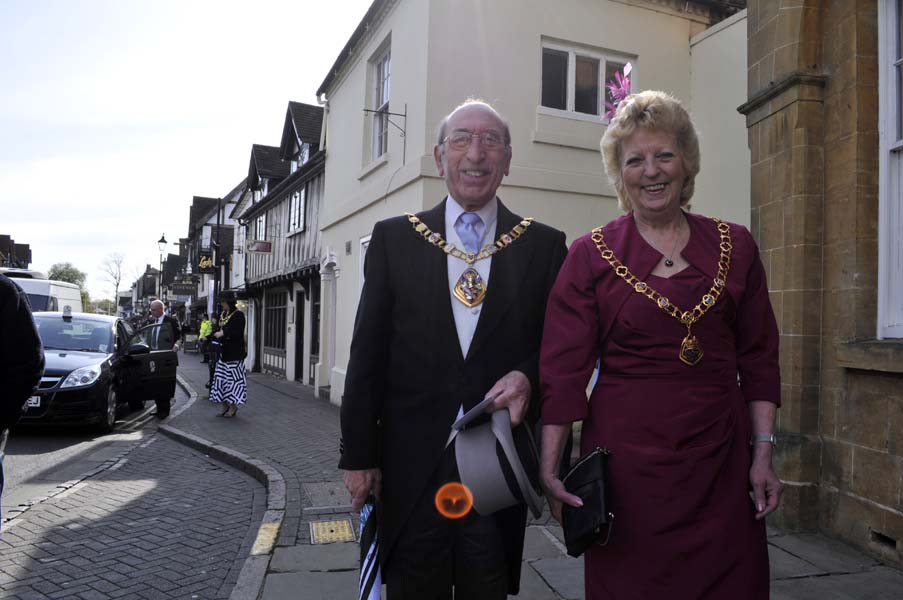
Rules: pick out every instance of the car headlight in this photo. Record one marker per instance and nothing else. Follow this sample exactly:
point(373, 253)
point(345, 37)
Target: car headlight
point(82, 377)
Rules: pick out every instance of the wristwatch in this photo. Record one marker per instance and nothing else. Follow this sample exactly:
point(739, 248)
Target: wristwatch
point(763, 437)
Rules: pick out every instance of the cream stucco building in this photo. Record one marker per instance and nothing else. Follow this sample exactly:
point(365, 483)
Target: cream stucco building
point(543, 65)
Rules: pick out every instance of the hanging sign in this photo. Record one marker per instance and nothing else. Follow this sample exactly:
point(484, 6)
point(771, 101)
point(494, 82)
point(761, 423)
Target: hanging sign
point(205, 262)
point(260, 246)
point(183, 288)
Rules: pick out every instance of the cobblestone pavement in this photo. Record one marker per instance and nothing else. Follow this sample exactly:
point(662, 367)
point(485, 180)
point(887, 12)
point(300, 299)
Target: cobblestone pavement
point(164, 522)
point(301, 440)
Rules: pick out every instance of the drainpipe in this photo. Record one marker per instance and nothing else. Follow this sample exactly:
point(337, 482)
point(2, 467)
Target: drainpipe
point(325, 104)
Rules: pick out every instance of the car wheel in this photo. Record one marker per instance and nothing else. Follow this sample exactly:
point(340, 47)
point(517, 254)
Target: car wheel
point(135, 404)
point(108, 418)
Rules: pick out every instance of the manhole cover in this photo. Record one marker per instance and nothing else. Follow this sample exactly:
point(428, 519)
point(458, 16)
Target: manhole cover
point(325, 532)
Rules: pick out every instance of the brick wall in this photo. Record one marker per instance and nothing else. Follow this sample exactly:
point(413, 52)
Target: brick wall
point(812, 119)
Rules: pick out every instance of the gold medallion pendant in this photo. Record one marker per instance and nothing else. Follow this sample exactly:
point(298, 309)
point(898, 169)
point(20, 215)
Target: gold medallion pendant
point(469, 289)
point(690, 350)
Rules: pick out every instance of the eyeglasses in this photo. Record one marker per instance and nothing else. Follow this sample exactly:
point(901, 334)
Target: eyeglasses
point(461, 140)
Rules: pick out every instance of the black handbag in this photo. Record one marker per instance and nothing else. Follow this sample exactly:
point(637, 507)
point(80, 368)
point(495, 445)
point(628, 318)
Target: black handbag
point(592, 522)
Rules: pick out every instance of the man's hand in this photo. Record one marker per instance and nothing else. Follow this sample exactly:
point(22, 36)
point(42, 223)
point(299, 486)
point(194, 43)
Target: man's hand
point(218, 334)
point(361, 483)
point(512, 392)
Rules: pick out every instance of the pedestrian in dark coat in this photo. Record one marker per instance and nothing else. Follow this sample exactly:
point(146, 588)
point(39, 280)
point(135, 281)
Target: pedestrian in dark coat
point(21, 358)
point(229, 385)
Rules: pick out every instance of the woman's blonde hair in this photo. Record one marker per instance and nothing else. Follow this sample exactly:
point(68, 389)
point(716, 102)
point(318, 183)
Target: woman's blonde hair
point(657, 111)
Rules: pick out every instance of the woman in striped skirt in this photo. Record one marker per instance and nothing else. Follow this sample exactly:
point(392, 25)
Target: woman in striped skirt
point(229, 385)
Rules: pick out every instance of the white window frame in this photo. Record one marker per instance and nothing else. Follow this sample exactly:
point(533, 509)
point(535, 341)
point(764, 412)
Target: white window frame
point(890, 168)
point(573, 51)
point(260, 227)
point(301, 157)
point(261, 191)
point(297, 211)
point(381, 66)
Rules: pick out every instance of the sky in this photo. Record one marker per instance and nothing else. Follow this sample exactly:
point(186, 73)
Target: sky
point(115, 113)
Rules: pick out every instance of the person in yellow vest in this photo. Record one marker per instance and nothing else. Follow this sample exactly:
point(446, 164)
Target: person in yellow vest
point(204, 332)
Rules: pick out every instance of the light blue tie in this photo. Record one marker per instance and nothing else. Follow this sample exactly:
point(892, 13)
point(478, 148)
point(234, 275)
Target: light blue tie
point(469, 227)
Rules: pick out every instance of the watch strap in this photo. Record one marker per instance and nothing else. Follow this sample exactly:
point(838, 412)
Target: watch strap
point(763, 438)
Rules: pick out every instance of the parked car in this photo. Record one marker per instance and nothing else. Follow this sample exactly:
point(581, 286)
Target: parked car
point(95, 363)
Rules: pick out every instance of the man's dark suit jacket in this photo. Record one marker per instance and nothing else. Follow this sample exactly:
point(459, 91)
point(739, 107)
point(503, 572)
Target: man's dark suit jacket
point(170, 332)
point(406, 377)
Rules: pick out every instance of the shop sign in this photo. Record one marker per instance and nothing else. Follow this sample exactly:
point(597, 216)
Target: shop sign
point(183, 288)
point(205, 262)
point(260, 246)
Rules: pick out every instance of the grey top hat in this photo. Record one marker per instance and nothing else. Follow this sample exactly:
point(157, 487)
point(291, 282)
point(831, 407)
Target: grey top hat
point(491, 461)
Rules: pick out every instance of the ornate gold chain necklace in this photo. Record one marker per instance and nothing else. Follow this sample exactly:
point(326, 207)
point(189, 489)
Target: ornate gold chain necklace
point(470, 289)
point(690, 350)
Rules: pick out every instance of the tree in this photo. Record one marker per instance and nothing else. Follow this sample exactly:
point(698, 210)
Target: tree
point(66, 272)
point(111, 267)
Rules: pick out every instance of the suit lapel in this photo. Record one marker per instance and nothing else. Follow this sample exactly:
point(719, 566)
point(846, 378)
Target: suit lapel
point(433, 263)
point(508, 268)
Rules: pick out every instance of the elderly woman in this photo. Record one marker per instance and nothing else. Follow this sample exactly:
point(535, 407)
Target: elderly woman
point(229, 385)
point(675, 308)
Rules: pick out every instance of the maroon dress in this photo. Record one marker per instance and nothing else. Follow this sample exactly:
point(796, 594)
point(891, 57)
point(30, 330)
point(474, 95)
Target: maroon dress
point(679, 435)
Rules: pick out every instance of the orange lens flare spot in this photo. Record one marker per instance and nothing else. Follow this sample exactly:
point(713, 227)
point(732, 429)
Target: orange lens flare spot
point(454, 500)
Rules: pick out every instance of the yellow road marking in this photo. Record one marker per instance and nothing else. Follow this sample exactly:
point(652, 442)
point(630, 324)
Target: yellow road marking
point(266, 539)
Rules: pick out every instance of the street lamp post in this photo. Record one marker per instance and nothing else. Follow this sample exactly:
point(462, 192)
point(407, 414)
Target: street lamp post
point(161, 244)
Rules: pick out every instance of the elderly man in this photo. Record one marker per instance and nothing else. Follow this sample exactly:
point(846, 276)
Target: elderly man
point(167, 335)
point(435, 333)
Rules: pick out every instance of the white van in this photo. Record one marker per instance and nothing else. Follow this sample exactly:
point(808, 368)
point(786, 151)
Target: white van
point(47, 294)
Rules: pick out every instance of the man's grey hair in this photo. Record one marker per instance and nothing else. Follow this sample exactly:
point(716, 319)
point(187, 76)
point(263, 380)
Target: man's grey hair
point(155, 303)
point(506, 129)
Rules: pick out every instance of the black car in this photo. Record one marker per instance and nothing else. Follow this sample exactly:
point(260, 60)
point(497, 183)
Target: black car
point(94, 363)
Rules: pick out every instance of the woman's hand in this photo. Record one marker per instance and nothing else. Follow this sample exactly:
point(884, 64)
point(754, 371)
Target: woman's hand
point(554, 437)
point(557, 495)
point(766, 487)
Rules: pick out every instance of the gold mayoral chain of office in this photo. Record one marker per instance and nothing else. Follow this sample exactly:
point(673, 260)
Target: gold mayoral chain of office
point(690, 350)
point(470, 289)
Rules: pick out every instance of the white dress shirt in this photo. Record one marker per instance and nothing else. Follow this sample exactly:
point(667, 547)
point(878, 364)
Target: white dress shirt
point(466, 318)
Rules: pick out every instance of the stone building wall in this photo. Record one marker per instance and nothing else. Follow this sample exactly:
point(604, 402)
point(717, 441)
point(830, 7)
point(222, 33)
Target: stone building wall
point(812, 118)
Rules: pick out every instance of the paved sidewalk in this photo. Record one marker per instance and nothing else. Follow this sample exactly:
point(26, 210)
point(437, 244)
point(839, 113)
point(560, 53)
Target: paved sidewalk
point(158, 522)
point(288, 439)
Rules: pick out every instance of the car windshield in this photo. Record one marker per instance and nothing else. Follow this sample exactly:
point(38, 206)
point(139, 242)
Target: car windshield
point(74, 334)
